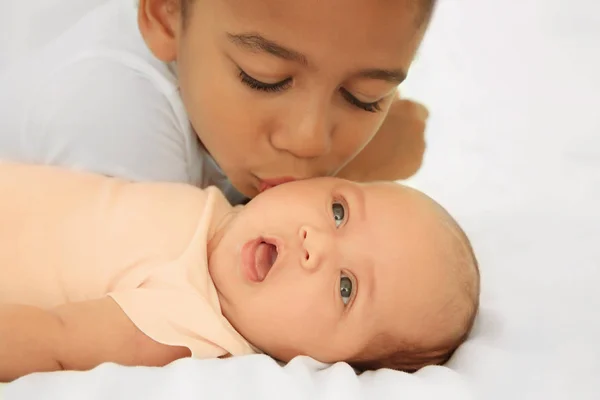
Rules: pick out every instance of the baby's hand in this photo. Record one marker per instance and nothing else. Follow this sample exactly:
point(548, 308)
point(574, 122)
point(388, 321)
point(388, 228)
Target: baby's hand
point(396, 151)
point(76, 336)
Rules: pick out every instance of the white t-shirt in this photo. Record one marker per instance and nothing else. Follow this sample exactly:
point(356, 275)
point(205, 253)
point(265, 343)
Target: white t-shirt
point(97, 99)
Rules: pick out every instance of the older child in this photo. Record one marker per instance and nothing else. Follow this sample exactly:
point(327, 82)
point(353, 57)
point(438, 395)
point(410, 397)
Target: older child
point(242, 94)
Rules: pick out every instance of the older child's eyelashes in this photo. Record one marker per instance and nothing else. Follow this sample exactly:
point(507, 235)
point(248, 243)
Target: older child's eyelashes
point(370, 107)
point(346, 288)
point(262, 86)
point(339, 213)
point(286, 83)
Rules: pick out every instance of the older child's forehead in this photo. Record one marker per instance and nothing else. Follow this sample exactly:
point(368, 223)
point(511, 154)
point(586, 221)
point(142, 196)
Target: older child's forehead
point(367, 21)
point(336, 13)
point(278, 7)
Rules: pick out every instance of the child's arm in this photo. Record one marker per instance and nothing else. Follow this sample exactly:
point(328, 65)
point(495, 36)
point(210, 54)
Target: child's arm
point(76, 336)
point(396, 151)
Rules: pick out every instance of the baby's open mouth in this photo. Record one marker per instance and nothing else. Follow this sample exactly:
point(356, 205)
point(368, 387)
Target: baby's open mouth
point(258, 257)
point(265, 257)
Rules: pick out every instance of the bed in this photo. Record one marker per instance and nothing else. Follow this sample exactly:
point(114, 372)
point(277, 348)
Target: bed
point(514, 154)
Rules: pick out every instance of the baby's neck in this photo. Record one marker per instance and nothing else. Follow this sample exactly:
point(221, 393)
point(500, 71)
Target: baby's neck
point(223, 215)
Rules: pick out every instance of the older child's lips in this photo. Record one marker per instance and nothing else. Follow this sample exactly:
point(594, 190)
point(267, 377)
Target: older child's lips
point(258, 257)
point(266, 184)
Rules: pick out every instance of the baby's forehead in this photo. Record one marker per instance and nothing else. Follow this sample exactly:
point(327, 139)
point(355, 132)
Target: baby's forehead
point(417, 261)
point(411, 291)
point(407, 233)
point(393, 202)
point(391, 190)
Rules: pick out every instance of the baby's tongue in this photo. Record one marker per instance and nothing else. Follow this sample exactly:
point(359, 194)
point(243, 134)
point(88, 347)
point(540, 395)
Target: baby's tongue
point(265, 257)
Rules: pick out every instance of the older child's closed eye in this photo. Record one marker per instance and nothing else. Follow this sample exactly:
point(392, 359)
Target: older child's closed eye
point(262, 86)
point(287, 83)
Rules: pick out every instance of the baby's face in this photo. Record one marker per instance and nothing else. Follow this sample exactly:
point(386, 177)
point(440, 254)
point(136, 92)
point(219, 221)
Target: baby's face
point(321, 267)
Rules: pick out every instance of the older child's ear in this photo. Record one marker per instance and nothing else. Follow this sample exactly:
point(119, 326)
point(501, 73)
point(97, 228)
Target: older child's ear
point(159, 22)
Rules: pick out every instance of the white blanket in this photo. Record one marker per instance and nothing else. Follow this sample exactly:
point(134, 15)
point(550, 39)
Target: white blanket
point(514, 152)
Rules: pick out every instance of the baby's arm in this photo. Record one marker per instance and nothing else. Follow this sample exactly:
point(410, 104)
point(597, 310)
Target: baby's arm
point(76, 336)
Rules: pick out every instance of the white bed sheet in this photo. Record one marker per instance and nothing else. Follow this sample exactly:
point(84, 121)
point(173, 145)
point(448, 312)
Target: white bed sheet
point(514, 153)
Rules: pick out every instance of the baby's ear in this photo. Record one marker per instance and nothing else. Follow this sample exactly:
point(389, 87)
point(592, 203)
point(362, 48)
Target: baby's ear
point(159, 23)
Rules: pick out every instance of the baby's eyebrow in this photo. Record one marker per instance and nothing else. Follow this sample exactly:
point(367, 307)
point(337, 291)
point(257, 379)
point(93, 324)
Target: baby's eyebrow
point(363, 304)
point(358, 204)
point(372, 283)
point(258, 43)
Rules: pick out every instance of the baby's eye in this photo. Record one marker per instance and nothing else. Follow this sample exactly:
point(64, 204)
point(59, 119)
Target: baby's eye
point(345, 289)
point(339, 213)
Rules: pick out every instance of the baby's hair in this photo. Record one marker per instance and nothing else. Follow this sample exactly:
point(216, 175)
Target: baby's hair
point(384, 351)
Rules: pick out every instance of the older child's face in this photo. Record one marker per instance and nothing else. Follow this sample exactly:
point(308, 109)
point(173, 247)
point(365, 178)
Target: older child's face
point(292, 89)
point(321, 267)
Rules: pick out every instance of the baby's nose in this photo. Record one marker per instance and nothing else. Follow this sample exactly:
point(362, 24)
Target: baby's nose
point(313, 249)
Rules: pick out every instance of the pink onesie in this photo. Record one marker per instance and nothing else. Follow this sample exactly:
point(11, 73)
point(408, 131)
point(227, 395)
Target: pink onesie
point(70, 236)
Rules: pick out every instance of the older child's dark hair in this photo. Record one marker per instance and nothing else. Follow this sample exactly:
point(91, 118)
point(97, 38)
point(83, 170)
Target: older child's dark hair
point(426, 8)
point(424, 12)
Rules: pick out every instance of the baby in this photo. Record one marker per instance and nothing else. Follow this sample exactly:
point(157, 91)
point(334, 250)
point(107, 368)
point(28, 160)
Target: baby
point(96, 269)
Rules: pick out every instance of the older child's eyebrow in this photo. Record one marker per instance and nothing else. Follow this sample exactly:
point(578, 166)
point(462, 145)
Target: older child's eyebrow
point(394, 75)
point(258, 43)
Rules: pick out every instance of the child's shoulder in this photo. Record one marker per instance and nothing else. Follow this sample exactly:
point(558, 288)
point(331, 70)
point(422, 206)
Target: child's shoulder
point(107, 34)
point(97, 98)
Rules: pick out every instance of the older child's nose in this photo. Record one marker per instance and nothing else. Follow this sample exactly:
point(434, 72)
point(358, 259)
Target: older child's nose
point(307, 136)
point(315, 247)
